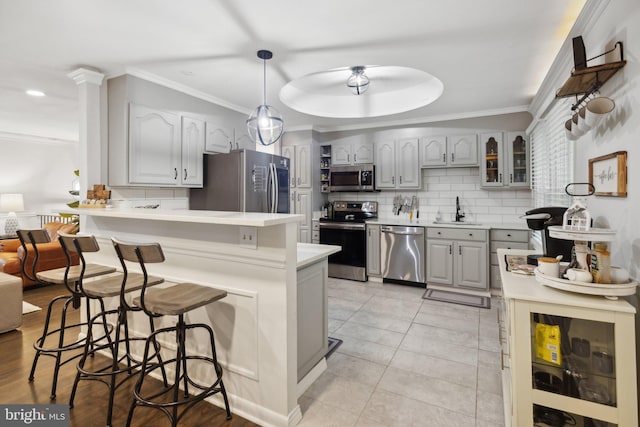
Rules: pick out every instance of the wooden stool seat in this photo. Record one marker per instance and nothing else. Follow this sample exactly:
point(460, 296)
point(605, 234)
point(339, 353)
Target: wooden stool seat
point(57, 275)
point(111, 286)
point(179, 298)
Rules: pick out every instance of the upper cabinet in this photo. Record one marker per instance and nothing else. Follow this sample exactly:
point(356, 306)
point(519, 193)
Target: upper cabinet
point(505, 160)
point(300, 168)
point(449, 151)
point(218, 138)
point(193, 137)
point(398, 164)
point(154, 146)
point(351, 153)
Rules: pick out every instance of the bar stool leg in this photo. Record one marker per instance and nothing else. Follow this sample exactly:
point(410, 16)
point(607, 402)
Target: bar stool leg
point(42, 339)
point(218, 369)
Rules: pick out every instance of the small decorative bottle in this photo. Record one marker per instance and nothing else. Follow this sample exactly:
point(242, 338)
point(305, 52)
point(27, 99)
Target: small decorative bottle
point(601, 263)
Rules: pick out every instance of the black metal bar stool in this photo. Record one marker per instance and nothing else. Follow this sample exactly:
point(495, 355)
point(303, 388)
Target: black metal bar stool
point(176, 300)
point(98, 288)
point(68, 276)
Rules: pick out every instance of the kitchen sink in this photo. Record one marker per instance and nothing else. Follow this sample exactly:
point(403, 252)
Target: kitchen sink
point(456, 223)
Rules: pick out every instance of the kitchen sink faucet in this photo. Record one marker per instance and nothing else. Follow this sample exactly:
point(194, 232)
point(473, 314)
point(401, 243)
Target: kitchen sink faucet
point(459, 213)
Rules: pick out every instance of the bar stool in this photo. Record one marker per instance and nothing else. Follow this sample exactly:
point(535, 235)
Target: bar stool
point(115, 285)
point(176, 300)
point(68, 276)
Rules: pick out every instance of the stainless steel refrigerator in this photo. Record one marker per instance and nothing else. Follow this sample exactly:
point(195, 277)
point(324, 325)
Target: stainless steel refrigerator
point(243, 181)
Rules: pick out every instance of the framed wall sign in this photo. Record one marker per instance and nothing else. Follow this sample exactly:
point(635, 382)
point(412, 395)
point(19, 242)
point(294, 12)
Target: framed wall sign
point(608, 174)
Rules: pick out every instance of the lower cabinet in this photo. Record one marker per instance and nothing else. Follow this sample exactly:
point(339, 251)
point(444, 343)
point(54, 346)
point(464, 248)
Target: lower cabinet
point(313, 318)
point(301, 204)
point(315, 231)
point(504, 239)
point(457, 258)
point(373, 250)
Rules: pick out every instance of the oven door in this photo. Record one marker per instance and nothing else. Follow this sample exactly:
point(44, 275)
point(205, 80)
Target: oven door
point(350, 262)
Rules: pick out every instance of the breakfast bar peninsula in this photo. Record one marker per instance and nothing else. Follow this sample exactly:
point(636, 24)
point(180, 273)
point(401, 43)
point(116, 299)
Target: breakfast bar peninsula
point(264, 334)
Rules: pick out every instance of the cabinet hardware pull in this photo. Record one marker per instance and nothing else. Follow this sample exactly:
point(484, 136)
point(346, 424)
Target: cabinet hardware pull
point(185, 174)
point(393, 180)
point(355, 158)
point(400, 179)
point(444, 157)
point(470, 234)
point(508, 235)
point(175, 173)
point(501, 360)
point(500, 177)
point(348, 157)
point(510, 177)
point(450, 252)
point(453, 157)
point(298, 196)
point(460, 250)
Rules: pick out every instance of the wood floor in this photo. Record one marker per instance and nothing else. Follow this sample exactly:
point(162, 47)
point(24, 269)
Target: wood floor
point(16, 356)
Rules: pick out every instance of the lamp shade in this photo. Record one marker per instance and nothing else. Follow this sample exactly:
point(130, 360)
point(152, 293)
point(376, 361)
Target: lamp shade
point(11, 202)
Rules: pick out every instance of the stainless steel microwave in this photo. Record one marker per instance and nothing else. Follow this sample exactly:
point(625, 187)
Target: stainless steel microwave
point(352, 178)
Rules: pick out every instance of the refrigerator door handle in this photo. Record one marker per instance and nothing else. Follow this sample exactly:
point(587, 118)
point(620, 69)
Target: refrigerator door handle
point(273, 188)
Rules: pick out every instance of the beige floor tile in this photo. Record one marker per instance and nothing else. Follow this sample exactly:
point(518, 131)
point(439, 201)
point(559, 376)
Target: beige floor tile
point(340, 392)
point(367, 350)
point(349, 294)
point(434, 367)
point(335, 324)
point(490, 408)
point(489, 359)
point(490, 380)
point(355, 368)
point(404, 292)
point(320, 414)
point(390, 409)
point(395, 307)
point(446, 322)
point(368, 333)
point(451, 336)
point(432, 391)
point(442, 349)
point(381, 321)
point(451, 305)
point(455, 311)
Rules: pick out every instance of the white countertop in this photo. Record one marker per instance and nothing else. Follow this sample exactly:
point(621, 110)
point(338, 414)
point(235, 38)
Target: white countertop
point(404, 221)
point(520, 287)
point(250, 219)
point(308, 253)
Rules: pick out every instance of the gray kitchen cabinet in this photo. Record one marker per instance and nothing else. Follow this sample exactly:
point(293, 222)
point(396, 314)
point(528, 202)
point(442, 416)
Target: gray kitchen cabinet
point(301, 204)
point(218, 139)
point(504, 160)
point(351, 153)
point(449, 151)
point(313, 318)
point(300, 168)
point(373, 250)
point(398, 164)
point(154, 146)
point(457, 258)
point(193, 138)
point(315, 231)
point(503, 239)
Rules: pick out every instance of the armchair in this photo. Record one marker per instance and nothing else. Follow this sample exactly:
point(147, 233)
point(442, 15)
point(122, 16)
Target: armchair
point(51, 254)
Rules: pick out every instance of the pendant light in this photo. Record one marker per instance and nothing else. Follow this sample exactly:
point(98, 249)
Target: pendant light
point(265, 123)
point(358, 81)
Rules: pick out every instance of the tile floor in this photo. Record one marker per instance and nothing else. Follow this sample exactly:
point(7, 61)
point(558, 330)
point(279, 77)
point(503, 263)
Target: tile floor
point(406, 361)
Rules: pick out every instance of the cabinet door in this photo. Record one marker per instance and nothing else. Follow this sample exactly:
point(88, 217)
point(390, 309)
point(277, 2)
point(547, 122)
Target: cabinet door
point(312, 316)
point(386, 164)
point(373, 250)
point(289, 152)
point(362, 153)
point(440, 262)
point(154, 146)
point(408, 174)
point(192, 148)
point(303, 166)
point(341, 154)
point(463, 150)
point(218, 139)
point(518, 159)
point(244, 142)
point(470, 265)
point(492, 159)
point(303, 206)
point(433, 151)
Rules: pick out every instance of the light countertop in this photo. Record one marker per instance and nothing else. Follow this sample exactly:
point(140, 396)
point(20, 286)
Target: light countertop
point(308, 253)
point(404, 221)
point(249, 219)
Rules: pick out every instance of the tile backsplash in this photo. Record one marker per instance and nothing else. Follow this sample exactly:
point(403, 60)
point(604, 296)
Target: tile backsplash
point(438, 194)
point(165, 198)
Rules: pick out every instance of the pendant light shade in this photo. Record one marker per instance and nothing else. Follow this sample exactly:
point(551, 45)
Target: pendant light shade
point(265, 123)
point(358, 82)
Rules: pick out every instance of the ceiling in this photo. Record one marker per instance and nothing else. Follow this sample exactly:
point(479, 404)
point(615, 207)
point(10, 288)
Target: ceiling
point(491, 55)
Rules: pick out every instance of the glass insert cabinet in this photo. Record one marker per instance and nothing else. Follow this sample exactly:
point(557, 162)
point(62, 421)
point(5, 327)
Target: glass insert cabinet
point(568, 359)
point(504, 160)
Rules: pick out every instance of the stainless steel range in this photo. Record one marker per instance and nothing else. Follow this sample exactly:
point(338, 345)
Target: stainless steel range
point(347, 229)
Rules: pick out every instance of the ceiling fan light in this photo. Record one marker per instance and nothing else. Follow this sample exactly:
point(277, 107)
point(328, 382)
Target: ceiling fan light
point(265, 125)
point(358, 82)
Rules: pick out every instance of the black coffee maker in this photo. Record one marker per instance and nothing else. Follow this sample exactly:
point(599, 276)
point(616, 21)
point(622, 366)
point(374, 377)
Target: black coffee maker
point(541, 219)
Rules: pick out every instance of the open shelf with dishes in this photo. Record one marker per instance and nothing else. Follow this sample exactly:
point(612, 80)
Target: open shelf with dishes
point(325, 165)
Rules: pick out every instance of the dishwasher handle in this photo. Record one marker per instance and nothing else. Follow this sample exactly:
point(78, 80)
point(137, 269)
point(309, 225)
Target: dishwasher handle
point(410, 231)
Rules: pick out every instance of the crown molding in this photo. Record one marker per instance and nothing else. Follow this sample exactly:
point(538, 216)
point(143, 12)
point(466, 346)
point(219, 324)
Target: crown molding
point(84, 75)
point(563, 63)
point(154, 78)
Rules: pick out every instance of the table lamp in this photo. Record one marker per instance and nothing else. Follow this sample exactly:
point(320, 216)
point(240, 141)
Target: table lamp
point(11, 203)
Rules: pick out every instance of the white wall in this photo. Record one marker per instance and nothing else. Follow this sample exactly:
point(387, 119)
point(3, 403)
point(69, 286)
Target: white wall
point(621, 130)
point(40, 169)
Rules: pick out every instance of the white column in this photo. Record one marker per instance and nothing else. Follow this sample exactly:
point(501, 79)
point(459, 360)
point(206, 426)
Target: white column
point(89, 83)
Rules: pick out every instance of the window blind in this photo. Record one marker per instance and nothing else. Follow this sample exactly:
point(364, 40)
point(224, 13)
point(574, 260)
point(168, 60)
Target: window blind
point(552, 158)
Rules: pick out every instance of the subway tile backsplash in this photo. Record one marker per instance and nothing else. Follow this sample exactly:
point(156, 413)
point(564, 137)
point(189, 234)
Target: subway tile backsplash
point(439, 190)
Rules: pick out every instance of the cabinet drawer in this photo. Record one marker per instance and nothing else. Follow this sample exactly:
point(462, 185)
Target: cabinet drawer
point(315, 235)
point(495, 245)
point(315, 225)
point(510, 235)
point(457, 234)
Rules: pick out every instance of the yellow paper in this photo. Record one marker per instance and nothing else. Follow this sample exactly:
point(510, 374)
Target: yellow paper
point(548, 343)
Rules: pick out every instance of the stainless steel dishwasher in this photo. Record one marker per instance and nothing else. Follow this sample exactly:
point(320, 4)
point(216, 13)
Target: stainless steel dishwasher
point(402, 250)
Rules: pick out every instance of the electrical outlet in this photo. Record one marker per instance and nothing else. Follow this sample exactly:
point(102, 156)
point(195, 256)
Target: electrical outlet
point(249, 237)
